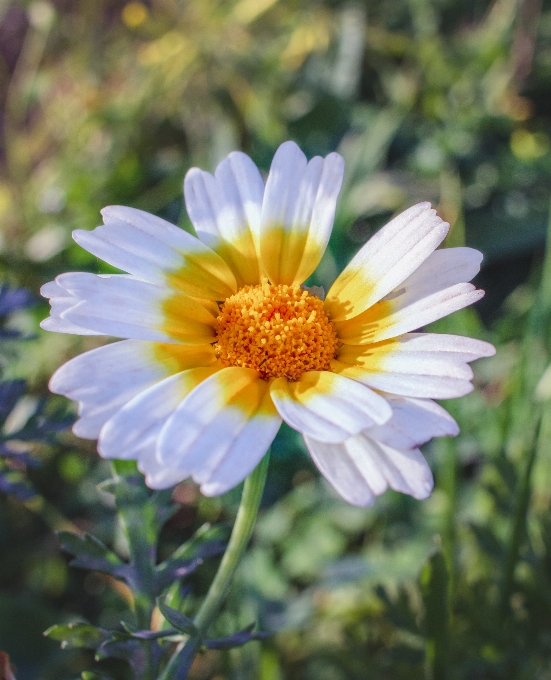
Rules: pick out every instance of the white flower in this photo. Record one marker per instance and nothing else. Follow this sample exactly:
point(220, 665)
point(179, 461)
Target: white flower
point(222, 343)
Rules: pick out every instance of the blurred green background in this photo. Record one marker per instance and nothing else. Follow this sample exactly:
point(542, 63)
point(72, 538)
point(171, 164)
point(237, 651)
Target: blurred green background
point(105, 101)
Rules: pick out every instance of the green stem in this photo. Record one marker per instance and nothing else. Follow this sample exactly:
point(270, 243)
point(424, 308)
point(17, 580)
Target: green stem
point(241, 533)
point(448, 482)
point(518, 527)
point(434, 583)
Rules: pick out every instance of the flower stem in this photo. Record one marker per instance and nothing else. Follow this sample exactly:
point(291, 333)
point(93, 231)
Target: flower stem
point(241, 533)
point(520, 516)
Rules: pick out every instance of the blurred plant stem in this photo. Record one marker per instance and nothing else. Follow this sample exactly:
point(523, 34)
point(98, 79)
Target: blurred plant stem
point(434, 583)
point(184, 654)
point(534, 422)
point(518, 526)
point(451, 208)
point(20, 90)
point(448, 483)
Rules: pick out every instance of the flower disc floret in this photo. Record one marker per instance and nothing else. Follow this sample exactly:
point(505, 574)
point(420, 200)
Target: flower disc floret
point(278, 330)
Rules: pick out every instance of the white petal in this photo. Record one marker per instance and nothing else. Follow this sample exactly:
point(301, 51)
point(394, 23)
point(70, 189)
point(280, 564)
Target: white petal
point(406, 471)
point(360, 469)
point(133, 431)
point(336, 465)
point(158, 476)
point(298, 212)
point(225, 211)
point(51, 290)
point(242, 458)
point(410, 346)
point(385, 261)
point(126, 307)
point(413, 422)
point(104, 379)
point(60, 301)
point(393, 317)
point(158, 252)
point(328, 406)
point(220, 431)
point(456, 347)
point(435, 380)
point(442, 269)
point(423, 365)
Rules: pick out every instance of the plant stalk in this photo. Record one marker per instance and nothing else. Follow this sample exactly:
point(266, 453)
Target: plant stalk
point(244, 523)
point(518, 527)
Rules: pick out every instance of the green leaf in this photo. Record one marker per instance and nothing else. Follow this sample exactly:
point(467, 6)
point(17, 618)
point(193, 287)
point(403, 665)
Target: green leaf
point(76, 635)
point(130, 650)
point(125, 468)
point(434, 583)
point(130, 634)
point(140, 521)
point(236, 640)
point(204, 544)
point(91, 553)
point(206, 533)
point(180, 621)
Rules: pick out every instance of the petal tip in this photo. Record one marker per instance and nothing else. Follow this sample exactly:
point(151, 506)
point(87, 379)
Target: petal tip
point(79, 236)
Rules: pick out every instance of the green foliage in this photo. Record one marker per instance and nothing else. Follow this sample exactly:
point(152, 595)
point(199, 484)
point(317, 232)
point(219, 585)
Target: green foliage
point(111, 102)
point(177, 619)
point(90, 553)
point(142, 514)
point(77, 635)
point(434, 586)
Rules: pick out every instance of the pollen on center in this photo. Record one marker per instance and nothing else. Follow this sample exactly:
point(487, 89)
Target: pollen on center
point(279, 330)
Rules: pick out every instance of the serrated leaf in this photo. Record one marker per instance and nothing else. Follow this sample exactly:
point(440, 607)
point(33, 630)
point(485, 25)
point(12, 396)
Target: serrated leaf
point(180, 621)
point(235, 640)
point(91, 553)
point(175, 571)
point(190, 555)
point(77, 635)
point(128, 650)
point(144, 634)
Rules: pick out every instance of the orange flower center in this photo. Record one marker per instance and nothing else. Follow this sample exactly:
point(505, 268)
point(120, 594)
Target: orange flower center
point(280, 331)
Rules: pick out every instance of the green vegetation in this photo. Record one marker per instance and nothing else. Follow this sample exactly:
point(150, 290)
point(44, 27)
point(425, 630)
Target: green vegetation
point(109, 102)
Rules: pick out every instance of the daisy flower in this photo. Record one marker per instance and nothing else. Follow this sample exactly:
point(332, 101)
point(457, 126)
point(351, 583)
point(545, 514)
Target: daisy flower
point(221, 341)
